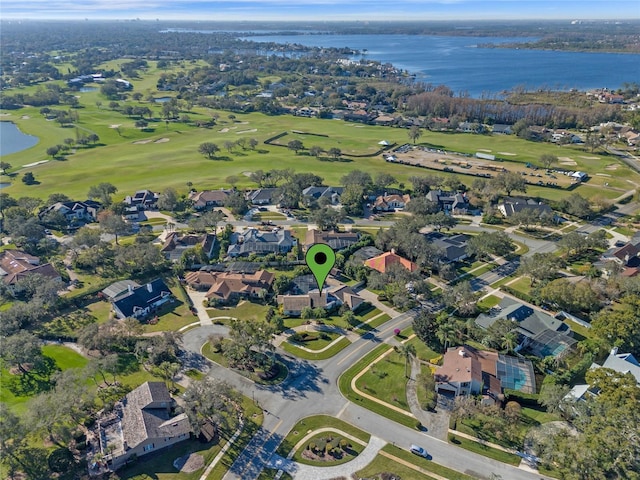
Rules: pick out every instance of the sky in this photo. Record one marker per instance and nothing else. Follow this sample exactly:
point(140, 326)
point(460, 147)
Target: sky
point(319, 9)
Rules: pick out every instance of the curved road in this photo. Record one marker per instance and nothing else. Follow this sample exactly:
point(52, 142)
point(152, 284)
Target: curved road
point(312, 389)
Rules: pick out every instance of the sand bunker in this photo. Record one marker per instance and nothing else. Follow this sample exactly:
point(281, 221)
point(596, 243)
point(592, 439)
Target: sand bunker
point(242, 123)
point(590, 158)
point(189, 463)
point(162, 140)
point(25, 117)
point(247, 174)
point(567, 161)
point(224, 130)
point(508, 153)
point(247, 131)
point(611, 167)
point(35, 163)
point(141, 142)
point(484, 150)
point(5, 114)
point(603, 174)
point(115, 125)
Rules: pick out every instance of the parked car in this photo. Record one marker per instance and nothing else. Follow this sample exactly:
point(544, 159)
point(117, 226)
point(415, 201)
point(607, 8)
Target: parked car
point(419, 451)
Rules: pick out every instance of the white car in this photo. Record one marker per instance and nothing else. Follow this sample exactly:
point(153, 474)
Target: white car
point(419, 451)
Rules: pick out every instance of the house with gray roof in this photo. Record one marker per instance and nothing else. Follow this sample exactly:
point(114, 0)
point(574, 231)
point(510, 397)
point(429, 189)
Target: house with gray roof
point(453, 202)
point(262, 196)
point(541, 334)
point(512, 205)
point(259, 242)
point(311, 194)
point(118, 289)
point(140, 302)
point(453, 247)
point(73, 211)
point(141, 423)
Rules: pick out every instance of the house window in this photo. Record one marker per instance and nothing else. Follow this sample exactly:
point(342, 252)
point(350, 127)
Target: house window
point(148, 448)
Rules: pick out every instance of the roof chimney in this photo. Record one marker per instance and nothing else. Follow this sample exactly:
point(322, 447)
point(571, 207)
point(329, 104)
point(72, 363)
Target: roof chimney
point(614, 351)
point(461, 352)
point(149, 288)
point(130, 288)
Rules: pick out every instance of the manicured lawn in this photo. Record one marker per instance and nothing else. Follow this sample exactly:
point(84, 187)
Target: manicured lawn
point(488, 302)
point(523, 284)
point(386, 380)
point(579, 329)
point(476, 447)
point(539, 416)
point(246, 310)
point(423, 352)
point(313, 339)
point(329, 440)
point(328, 353)
point(264, 216)
point(64, 357)
point(172, 317)
point(373, 324)
point(310, 424)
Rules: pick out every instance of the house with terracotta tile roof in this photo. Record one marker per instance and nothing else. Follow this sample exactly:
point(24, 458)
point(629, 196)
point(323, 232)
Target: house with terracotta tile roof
point(16, 265)
point(208, 198)
point(390, 203)
point(468, 371)
point(382, 262)
point(224, 287)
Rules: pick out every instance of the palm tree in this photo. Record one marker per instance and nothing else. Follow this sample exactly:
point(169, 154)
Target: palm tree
point(408, 351)
point(509, 341)
point(444, 334)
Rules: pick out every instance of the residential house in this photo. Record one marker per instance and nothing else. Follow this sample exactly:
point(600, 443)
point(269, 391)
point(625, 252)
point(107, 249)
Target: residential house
point(314, 194)
point(538, 332)
point(334, 296)
point(468, 371)
point(208, 198)
point(470, 127)
point(453, 247)
point(365, 253)
point(381, 263)
point(262, 196)
point(258, 242)
point(626, 256)
point(141, 423)
point(143, 200)
point(228, 286)
point(176, 243)
point(501, 129)
point(513, 205)
point(336, 240)
point(140, 302)
point(390, 203)
point(579, 176)
point(620, 362)
point(16, 265)
point(453, 202)
point(74, 212)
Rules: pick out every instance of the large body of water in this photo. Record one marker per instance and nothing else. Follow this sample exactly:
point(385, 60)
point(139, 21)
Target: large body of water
point(12, 140)
point(460, 64)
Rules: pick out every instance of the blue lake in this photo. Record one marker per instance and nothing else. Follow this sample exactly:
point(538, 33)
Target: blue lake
point(459, 63)
point(12, 140)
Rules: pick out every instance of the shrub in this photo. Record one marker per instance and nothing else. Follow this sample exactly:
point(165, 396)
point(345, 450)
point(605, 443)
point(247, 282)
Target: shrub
point(396, 331)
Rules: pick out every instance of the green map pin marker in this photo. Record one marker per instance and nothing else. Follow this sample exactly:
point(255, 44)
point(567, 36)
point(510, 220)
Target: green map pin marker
point(320, 258)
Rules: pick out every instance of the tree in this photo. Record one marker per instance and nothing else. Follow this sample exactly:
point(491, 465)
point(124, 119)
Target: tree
point(486, 244)
point(414, 133)
point(570, 296)
point(168, 199)
point(315, 151)
point(547, 160)
point(253, 143)
point(422, 184)
point(619, 325)
point(141, 124)
point(422, 206)
point(112, 223)
point(383, 180)
point(510, 181)
point(21, 350)
point(228, 145)
point(540, 267)
point(208, 149)
point(93, 138)
point(249, 342)
point(237, 203)
point(440, 220)
point(103, 192)
point(326, 218)
point(425, 327)
point(552, 397)
point(407, 351)
point(576, 204)
point(295, 145)
point(335, 153)
point(28, 178)
point(208, 401)
point(461, 297)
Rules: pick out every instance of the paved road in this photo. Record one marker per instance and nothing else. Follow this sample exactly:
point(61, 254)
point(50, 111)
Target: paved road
point(312, 389)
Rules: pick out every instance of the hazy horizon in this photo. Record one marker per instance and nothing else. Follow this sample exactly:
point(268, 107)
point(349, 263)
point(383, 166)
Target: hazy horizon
point(320, 10)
